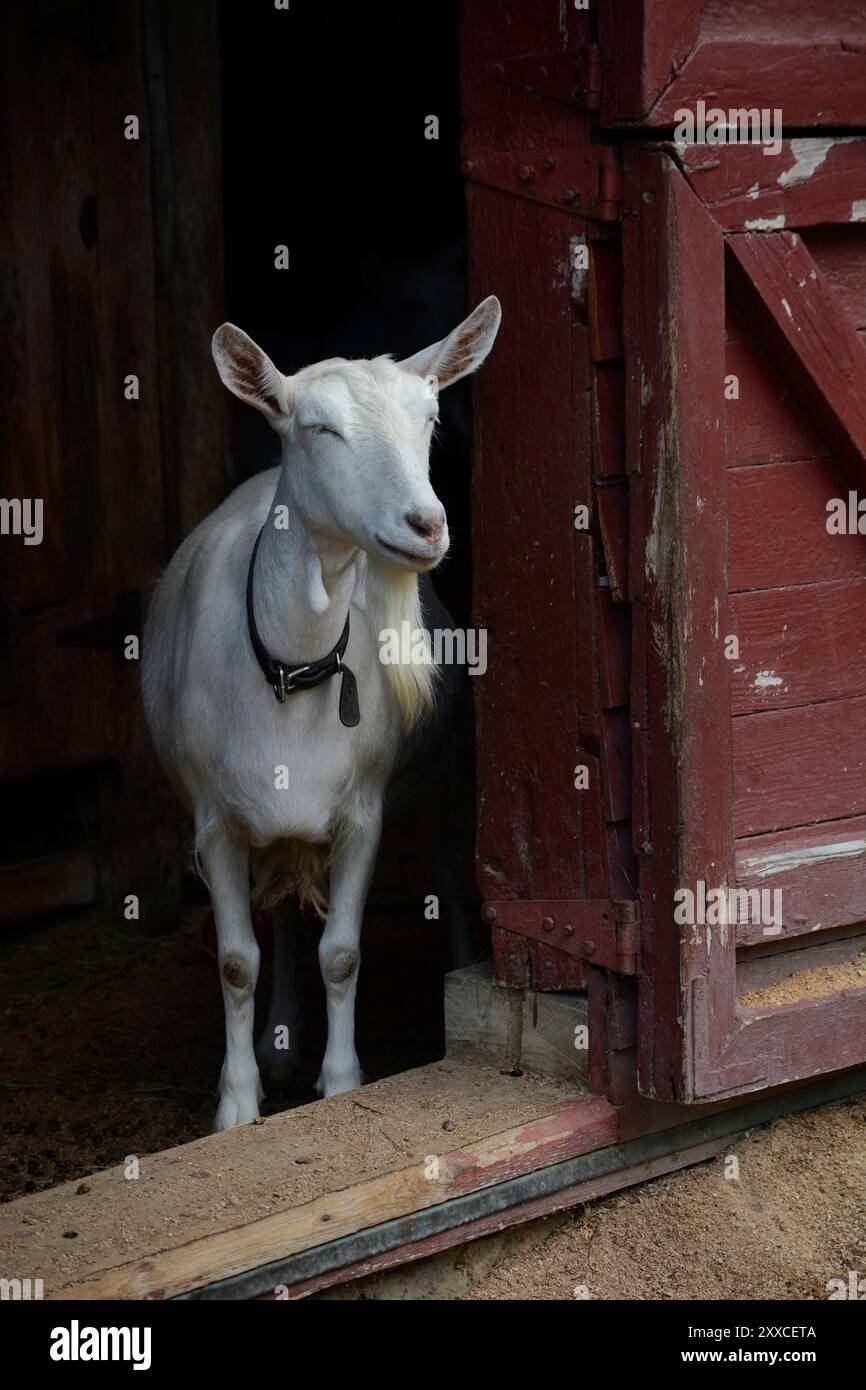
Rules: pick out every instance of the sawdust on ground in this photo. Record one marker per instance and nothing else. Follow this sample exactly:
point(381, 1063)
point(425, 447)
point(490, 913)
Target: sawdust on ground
point(786, 1217)
point(809, 984)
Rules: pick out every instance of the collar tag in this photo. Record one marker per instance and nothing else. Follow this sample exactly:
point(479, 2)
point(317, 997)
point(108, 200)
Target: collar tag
point(350, 711)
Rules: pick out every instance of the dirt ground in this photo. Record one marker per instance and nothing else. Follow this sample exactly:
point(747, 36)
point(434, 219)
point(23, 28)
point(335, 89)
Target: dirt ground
point(794, 1218)
point(111, 1042)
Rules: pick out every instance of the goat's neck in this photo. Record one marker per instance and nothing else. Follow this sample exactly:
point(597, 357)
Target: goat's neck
point(303, 584)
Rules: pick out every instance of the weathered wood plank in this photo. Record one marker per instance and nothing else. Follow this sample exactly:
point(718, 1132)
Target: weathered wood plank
point(531, 1210)
point(525, 542)
point(659, 39)
point(788, 1043)
point(526, 964)
point(634, 386)
point(812, 182)
point(681, 365)
point(572, 1128)
point(764, 423)
point(840, 253)
point(815, 82)
point(777, 524)
point(799, 645)
point(820, 870)
point(818, 751)
point(273, 1167)
point(816, 341)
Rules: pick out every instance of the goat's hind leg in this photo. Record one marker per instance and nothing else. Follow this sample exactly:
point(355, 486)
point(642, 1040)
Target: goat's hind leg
point(277, 1049)
point(226, 869)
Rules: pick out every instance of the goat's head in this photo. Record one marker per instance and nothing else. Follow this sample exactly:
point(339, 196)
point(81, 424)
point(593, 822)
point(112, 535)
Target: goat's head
point(356, 435)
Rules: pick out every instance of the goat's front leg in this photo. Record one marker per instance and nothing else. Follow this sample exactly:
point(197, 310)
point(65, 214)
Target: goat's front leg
point(340, 954)
point(226, 867)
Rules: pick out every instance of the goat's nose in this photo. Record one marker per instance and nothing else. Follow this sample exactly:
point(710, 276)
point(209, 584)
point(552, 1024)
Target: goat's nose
point(427, 525)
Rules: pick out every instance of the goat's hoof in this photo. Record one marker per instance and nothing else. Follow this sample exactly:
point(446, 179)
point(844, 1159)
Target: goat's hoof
point(334, 1082)
point(237, 1108)
point(229, 1114)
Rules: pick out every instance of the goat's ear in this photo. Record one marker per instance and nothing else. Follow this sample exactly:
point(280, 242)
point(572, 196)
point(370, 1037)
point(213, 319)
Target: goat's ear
point(462, 351)
point(250, 374)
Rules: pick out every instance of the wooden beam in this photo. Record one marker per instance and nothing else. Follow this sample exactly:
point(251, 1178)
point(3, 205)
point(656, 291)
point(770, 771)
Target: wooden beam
point(531, 1210)
point(677, 1136)
point(294, 1183)
point(643, 46)
point(810, 183)
point(817, 345)
point(675, 343)
point(571, 1128)
point(814, 83)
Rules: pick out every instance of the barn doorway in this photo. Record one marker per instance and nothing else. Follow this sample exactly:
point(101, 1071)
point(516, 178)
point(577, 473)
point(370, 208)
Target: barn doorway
point(247, 147)
point(337, 166)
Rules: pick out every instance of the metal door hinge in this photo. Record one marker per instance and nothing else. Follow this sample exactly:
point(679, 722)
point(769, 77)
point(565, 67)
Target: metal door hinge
point(585, 179)
point(598, 930)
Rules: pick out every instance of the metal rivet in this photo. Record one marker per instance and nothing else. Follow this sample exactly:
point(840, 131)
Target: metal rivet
point(568, 195)
point(526, 173)
point(568, 929)
point(548, 924)
point(550, 162)
point(589, 948)
point(488, 912)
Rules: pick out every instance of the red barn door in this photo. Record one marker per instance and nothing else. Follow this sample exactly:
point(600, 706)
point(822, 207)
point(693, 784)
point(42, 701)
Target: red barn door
point(745, 300)
point(700, 651)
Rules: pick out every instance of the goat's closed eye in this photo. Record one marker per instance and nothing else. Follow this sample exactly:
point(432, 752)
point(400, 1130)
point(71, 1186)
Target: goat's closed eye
point(326, 429)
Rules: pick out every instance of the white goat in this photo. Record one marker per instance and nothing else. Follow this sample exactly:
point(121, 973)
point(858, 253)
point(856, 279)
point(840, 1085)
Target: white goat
point(346, 524)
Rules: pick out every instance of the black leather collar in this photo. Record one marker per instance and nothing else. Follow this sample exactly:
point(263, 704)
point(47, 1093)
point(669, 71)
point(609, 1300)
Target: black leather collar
point(285, 677)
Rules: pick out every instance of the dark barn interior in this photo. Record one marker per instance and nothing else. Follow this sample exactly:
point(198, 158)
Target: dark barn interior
point(121, 257)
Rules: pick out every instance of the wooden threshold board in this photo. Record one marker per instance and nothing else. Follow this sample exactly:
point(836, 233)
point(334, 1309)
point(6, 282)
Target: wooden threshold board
point(233, 1202)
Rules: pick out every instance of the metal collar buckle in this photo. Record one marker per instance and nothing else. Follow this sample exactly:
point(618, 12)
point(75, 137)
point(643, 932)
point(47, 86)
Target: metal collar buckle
point(284, 686)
